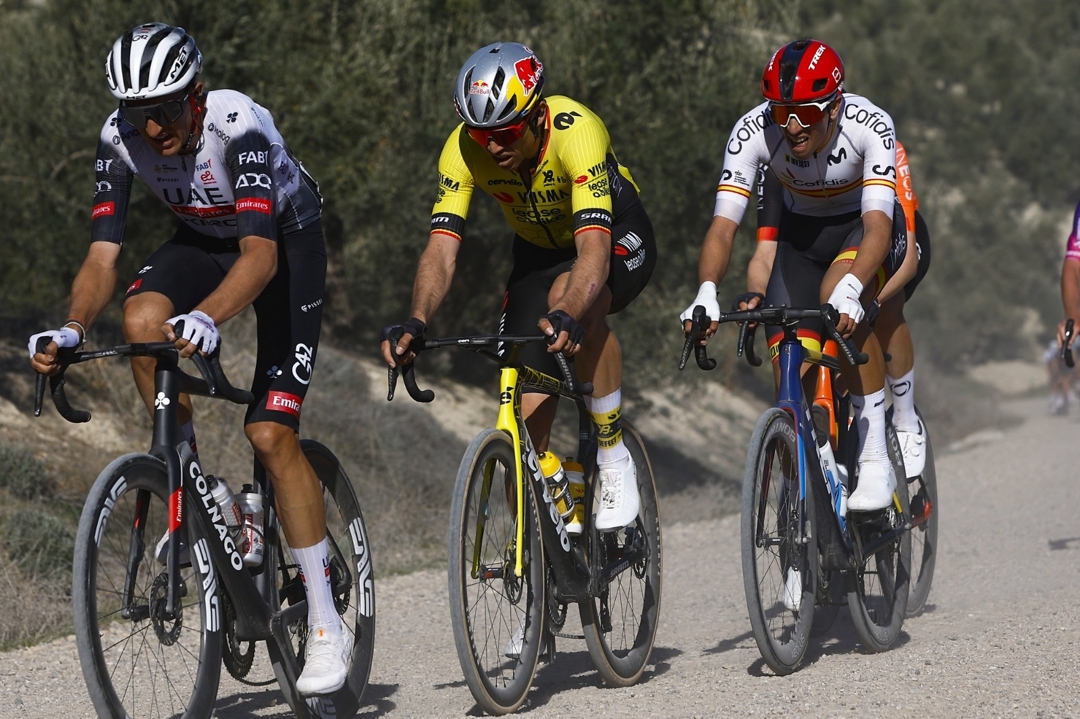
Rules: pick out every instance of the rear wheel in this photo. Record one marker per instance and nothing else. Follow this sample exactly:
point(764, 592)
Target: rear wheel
point(922, 494)
point(878, 603)
point(620, 624)
point(497, 616)
point(778, 568)
point(353, 585)
point(138, 661)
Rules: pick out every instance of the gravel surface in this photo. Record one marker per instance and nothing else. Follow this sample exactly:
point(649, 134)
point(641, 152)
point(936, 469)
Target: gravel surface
point(1000, 635)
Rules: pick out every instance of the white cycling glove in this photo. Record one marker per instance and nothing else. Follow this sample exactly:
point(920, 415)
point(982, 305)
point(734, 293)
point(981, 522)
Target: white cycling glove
point(199, 330)
point(845, 297)
point(706, 297)
point(63, 337)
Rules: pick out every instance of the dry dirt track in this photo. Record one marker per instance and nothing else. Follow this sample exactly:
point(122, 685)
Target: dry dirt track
point(1000, 636)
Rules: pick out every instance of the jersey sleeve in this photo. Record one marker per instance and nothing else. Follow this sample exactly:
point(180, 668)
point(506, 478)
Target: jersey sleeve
point(879, 164)
point(248, 159)
point(584, 153)
point(770, 204)
point(455, 189)
point(112, 193)
point(904, 189)
point(1072, 249)
point(744, 153)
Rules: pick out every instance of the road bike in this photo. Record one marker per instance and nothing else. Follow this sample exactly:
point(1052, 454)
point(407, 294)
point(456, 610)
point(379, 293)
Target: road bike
point(514, 569)
point(161, 594)
point(802, 552)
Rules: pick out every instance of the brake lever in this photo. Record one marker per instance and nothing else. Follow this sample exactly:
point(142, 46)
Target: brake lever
point(831, 316)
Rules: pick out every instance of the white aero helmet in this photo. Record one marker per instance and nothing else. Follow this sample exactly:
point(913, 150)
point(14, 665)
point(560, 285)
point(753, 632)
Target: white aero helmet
point(498, 84)
point(152, 60)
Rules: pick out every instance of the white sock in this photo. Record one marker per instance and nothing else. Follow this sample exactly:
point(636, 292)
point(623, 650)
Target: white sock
point(903, 402)
point(870, 419)
point(315, 571)
point(606, 412)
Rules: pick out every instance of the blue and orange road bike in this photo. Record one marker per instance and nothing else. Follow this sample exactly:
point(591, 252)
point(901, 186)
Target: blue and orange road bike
point(801, 551)
point(161, 594)
point(513, 569)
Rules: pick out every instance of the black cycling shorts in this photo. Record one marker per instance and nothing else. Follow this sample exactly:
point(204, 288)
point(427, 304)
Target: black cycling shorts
point(633, 257)
point(190, 266)
point(806, 248)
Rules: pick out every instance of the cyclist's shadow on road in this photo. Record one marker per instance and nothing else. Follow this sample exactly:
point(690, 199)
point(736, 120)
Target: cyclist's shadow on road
point(840, 638)
point(375, 702)
point(574, 670)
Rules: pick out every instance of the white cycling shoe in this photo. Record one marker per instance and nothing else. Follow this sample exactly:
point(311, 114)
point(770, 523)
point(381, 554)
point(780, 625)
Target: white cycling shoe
point(326, 662)
point(791, 592)
point(877, 482)
point(619, 501)
point(913, 447)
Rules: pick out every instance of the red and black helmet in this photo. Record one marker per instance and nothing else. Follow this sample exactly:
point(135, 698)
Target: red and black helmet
point(802, 71)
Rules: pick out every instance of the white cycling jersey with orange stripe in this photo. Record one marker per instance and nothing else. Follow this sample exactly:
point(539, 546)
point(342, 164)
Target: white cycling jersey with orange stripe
point(855, 171)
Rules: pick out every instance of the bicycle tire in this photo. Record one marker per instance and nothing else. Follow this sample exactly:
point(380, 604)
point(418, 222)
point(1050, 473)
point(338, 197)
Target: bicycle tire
point(923, 498)
point(145, 665)
point(620, 624)
point(354, 591)
point(878, 601)
point(769, 548)
point(487, 612)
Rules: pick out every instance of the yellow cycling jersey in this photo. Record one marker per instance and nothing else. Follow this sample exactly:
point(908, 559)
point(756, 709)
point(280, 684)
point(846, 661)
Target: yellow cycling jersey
point(577, 184)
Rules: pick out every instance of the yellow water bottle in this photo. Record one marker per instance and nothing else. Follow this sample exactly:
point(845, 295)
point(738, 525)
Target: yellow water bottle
point(559, 487)
point(575, 477)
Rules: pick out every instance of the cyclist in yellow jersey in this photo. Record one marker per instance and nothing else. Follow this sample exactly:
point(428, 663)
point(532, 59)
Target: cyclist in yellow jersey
point(583, 245)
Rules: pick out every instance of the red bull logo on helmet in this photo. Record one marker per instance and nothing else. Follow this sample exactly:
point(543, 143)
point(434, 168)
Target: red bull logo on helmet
point(528, 72)
point(480, 87)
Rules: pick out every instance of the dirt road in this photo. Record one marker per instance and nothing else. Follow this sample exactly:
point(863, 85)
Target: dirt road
point(1000, 635)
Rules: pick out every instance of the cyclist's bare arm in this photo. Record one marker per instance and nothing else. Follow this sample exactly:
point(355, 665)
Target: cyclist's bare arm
point(90, 294)
point(1070, 295)
point(434, 273)
point(587, 277)
point(760, 267)
point(714, 258)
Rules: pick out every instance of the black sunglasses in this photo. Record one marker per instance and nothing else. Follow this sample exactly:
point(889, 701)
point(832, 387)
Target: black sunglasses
point(162, 113)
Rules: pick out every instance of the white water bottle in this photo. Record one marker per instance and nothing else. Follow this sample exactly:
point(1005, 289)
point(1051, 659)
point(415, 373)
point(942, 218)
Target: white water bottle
point(251, 535)
point(225, 499)
point(836, 478)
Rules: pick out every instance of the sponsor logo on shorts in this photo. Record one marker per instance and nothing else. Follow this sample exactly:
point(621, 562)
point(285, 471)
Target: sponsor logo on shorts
point(134, 285)
point(627, 245)
point(253, 204)
point(105, 208)
point(284, 402)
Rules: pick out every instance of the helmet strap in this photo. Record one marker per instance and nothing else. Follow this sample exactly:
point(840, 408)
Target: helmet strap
point(197, 110)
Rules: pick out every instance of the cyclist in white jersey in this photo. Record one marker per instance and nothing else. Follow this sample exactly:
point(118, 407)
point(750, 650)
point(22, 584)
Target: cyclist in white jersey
point(841, 234)
point(249, 233)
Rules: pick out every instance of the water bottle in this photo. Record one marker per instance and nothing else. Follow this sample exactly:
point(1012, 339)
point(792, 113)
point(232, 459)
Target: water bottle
point(251, 534)
point(836, 478)
point(575, 477)
point(559, 487)
point(225, 499)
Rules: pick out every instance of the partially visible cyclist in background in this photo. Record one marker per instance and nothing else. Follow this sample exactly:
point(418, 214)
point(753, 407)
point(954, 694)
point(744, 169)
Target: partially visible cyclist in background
point(841, 234)
point(886, 313)
point(1070, 301)
point(249, 232)
point(1061, 378)
point(583, 244)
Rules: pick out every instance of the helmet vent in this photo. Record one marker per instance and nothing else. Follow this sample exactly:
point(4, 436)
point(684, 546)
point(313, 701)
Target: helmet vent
point(819, 84)
point(497, 83)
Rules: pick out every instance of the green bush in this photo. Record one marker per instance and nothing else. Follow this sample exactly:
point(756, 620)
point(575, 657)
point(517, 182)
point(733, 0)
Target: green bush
point(40, 543)
point(22, 474)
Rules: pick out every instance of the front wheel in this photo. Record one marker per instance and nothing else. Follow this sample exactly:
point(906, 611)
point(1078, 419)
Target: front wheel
point(779, 566)
point(878, 602)
point(137, 659)
point(620, 624)
point(353, 583)
point(497, 615)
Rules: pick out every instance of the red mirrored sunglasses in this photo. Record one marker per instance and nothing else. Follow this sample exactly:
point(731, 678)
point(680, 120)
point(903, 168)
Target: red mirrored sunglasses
point(806, 114)
point(504, 135)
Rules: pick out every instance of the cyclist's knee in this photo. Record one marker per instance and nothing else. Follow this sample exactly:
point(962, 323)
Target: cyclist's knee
point(270, 438)
point(144, 315)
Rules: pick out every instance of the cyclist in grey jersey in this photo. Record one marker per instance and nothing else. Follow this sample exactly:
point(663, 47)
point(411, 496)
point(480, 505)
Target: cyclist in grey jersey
point(249, 233)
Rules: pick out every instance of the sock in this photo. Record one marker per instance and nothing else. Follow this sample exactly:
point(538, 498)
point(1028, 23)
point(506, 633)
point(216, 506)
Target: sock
point(315, 573)
point(870, 419)
point(903, 402)
point(606, 412)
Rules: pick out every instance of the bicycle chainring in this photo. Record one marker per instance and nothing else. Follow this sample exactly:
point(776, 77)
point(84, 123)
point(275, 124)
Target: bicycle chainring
point(238, 656)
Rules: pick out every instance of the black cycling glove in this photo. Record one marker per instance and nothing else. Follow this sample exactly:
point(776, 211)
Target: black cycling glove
point(562, 322)
point(394, 332)
point(746, 297)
